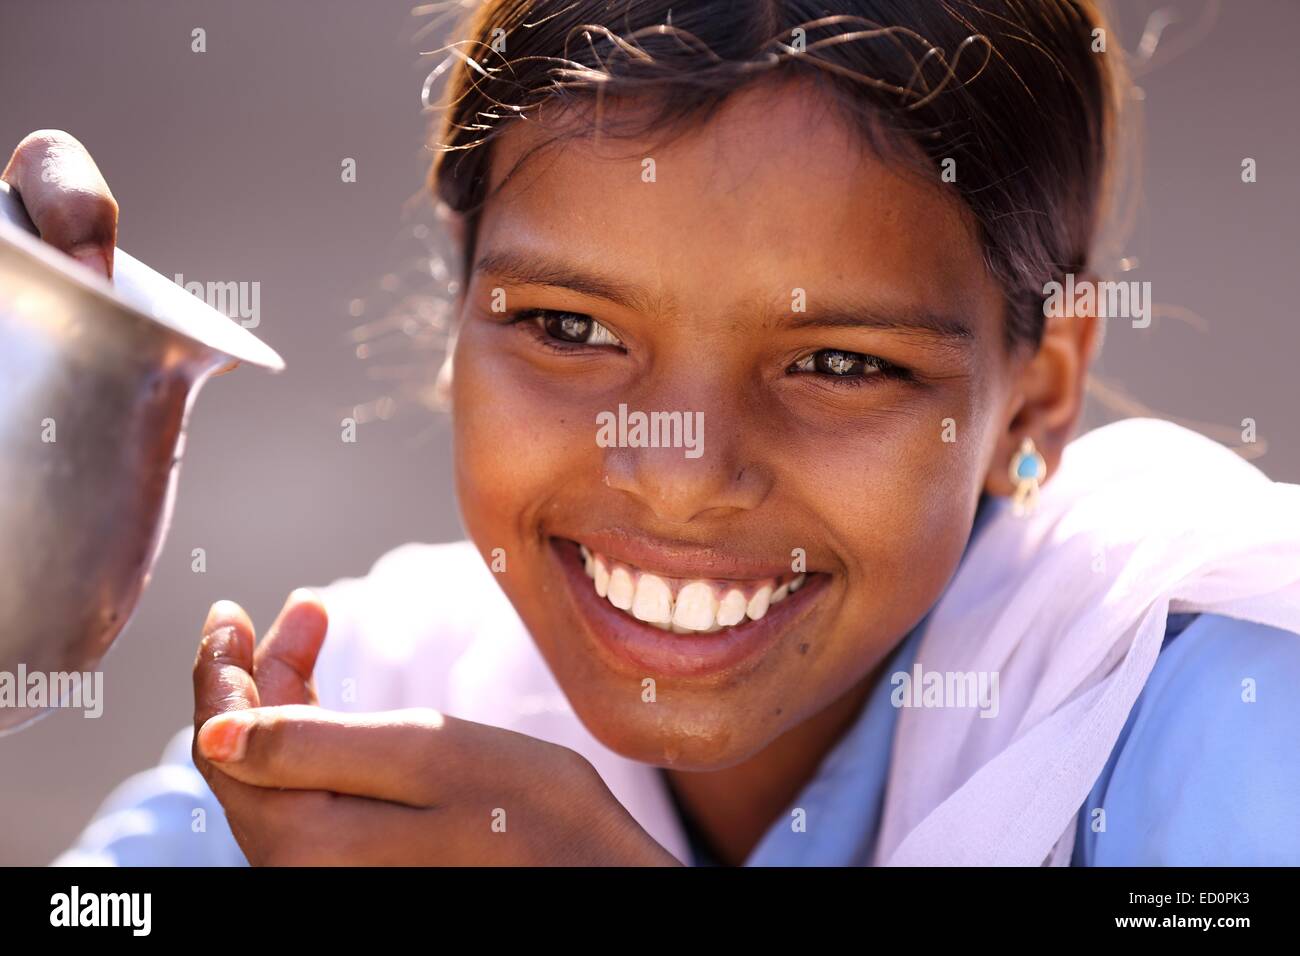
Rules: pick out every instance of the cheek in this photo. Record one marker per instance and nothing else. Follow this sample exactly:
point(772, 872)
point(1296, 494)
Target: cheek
point(516, 444)
point(896, 493)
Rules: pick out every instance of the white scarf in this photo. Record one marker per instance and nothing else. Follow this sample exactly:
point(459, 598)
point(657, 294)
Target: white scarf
point(1069, 607)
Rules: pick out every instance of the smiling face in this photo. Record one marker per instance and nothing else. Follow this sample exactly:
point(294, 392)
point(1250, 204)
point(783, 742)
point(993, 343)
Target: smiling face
point(822, 314)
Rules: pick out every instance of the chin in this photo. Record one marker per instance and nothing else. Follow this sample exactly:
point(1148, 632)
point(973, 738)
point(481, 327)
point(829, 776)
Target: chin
point(661, 735)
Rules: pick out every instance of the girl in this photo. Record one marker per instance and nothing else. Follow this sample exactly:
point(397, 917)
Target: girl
point(878, 607)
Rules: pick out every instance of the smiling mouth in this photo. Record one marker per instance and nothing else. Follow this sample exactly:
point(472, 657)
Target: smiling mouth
point(685, 606)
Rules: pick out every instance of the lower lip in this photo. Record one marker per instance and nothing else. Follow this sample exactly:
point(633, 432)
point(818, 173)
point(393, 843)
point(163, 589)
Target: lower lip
point(651, 651)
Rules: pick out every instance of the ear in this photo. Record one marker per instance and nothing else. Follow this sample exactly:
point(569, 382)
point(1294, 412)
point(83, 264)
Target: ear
point(1046, 399)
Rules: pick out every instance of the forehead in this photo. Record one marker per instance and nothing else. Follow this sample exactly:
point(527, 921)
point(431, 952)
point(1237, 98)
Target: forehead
point(775, 190)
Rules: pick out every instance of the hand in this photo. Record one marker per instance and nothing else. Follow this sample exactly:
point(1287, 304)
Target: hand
point(67, 199)
point(305, 786)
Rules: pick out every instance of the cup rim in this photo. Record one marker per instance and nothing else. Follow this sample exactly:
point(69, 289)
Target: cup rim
point(143, 292)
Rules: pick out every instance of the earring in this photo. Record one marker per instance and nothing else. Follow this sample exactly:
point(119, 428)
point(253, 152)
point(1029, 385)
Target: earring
point(1028, 469)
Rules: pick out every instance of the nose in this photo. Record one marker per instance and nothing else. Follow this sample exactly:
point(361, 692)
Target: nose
point(682, 464)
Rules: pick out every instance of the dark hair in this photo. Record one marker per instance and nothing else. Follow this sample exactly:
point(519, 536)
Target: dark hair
point(1009, 89)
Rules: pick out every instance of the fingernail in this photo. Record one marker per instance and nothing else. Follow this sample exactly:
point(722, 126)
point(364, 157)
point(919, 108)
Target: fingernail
point(92, 256)
point(298, 595)
point(224, 738)
point(218, 610)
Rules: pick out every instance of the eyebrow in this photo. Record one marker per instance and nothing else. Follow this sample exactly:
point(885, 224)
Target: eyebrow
point(866, 316)
point(536, 270)
point(528, 269)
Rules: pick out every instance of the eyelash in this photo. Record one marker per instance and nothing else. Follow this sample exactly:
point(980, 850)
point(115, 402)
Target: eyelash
point(881, 368)
point(534, 320)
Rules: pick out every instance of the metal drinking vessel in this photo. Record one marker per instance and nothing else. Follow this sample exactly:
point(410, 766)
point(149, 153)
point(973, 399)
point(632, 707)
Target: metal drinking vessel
point(97, 379)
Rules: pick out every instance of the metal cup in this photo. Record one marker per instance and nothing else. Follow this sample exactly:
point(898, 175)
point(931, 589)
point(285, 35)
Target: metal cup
point(96, 383)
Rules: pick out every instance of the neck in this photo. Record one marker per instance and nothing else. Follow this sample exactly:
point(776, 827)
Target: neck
point(733, 808)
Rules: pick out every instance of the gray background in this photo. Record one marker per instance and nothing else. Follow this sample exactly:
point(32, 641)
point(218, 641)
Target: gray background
point(226, 166)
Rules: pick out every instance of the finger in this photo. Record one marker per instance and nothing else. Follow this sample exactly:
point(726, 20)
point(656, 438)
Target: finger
point(318, 828)
point(223, 667)
point(414, 757)
point(66, 196)
point(223, 682)
point(284, 661)
point(259, 819)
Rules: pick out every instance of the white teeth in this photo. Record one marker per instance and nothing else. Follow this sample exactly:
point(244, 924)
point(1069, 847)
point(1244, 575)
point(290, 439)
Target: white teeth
point(620, 589)
point(758, 603)
point(732, 609)
point(653, 601)
point(696, 607)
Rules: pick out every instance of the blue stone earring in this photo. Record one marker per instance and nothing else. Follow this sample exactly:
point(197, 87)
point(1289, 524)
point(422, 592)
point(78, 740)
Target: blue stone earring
point(1028, 469)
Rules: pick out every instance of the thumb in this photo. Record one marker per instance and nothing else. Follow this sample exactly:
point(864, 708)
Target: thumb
point(284, 661)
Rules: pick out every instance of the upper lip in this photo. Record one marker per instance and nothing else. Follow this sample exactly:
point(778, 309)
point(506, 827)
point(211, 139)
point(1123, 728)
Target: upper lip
point(680, 559)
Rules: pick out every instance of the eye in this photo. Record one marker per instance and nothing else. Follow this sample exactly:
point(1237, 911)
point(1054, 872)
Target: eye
point(837, 363)
point(571, 328)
